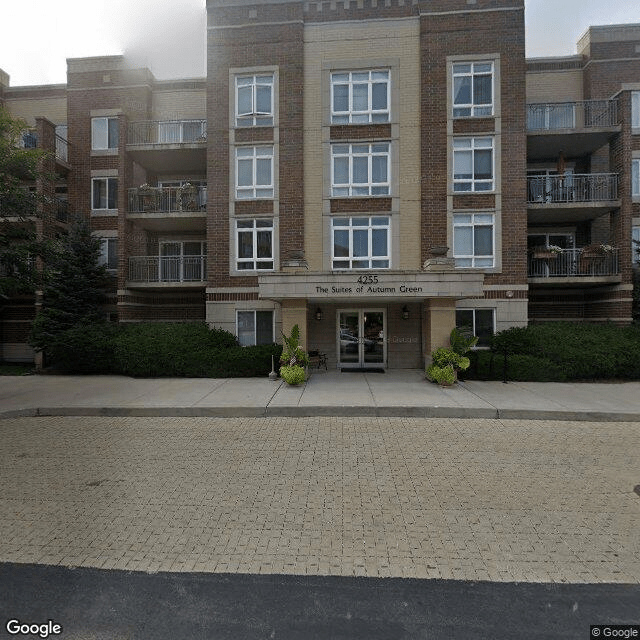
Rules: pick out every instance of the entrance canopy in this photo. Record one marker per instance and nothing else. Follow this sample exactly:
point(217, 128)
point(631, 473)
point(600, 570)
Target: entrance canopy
point(366, 287)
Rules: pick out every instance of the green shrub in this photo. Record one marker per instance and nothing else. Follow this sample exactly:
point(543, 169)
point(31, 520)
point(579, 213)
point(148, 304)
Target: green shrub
point(447, 357)
point(486, 365)
point(170, 349)
point(568, 351)
point(292, 375)
point(444, 375)
point(84, 348)
point(293, 354)
point(244, 362)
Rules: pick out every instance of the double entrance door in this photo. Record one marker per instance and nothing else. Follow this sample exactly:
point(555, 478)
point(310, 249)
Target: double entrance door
point(361, 338)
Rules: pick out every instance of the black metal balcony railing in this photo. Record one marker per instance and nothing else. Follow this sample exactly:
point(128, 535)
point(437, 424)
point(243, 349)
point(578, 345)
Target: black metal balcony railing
point(62, 149)
point(588, 187)
point(585, 114)
point(167, 199)
point(168, 132)
point(571, 263)
point(62, 210)
point(167, 268)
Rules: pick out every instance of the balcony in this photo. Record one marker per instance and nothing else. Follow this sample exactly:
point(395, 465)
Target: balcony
point(164, 208)
point(167, 271)
point(586, 266)
point(571, 197)
point(169, 145)
point(577, 128)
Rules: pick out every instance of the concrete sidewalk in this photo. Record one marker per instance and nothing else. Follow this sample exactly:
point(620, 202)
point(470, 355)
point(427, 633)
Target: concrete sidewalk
point(394, 393)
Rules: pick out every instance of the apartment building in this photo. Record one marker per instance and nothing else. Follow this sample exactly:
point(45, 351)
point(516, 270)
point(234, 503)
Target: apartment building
point(375, 171)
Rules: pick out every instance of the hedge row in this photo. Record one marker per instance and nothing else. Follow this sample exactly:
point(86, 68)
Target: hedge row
point(560, 351)
point(159, 349)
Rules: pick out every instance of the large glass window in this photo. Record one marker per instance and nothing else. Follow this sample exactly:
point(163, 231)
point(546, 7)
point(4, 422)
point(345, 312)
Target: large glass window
point(254, 327)
point(254, 172)
point(635, 177)
point(254, 244)
point(254, 101)
point(108, 253)
point(472, 89)
point(361, 243)
point(635, 245)
point(635, 109)
point(359, 97)
point(104, 193)
point(360, 170)
point(104, 133)
point(480, 322)
point(473, 164)
point(473, 239)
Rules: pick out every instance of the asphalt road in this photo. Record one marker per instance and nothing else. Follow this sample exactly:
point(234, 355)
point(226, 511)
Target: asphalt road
point(93, 604)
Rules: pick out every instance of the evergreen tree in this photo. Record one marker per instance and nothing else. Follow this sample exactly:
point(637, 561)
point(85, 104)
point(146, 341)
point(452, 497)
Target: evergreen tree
point(74, 290)
point(19, 246)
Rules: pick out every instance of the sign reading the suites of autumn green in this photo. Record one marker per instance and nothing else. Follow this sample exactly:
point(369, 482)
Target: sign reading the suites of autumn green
point(398, 285)
point(367, 284)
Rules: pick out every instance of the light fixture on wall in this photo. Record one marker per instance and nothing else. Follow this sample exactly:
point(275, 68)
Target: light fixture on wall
point(318, 314)
point(405, 312)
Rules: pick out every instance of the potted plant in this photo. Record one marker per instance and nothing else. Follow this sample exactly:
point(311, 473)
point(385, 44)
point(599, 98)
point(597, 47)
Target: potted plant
point(293, 359)
point(446, 362)
point(546, 253)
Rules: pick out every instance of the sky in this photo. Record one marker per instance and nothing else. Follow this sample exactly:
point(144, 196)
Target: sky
point(37, 36)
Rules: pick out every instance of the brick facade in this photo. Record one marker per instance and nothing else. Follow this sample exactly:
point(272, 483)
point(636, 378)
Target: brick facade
point(300, 44)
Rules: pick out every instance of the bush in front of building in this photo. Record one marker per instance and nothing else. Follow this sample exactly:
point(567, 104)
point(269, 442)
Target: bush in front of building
point(561, 351)
point(158, 350)
point(292, 375)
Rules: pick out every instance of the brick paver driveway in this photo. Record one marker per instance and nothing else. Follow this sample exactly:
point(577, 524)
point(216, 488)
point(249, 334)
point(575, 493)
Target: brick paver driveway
point(470, 499)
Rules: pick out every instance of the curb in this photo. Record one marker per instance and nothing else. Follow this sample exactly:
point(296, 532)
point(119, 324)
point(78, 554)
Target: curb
point(323, 411)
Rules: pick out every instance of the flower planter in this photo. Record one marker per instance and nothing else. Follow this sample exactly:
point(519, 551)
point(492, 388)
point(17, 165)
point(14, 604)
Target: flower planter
point(542, 254)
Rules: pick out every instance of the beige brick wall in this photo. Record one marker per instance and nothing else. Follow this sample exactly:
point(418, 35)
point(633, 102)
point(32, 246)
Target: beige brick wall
point(394, 43)
point(554, 86)
point(53, 109)
point(179, 105)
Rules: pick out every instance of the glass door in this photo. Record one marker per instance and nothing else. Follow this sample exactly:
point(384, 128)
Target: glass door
point(361, 340)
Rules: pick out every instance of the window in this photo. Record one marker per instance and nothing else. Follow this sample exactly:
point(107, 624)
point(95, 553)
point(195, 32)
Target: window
point(104, 193)
point(473, 239)
point(360, 243)
point(472, 89)
point(254, 327)
point(360, 169)
point(473, 164)
point(254, 172)
point(183, 261)
point(635, 245)
point(254, 101)
point(359, 97)
point(635, 109)
point(109, 253)
point(254, 244)
point(635, 177)
point(104, 133)
point(481, 322)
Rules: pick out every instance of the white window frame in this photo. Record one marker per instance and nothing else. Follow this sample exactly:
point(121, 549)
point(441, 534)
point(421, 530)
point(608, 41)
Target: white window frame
point(635, 177)
point(635, 248)
point(477, 219)
point(165, 266)
point(106, 179)
point(350, 227)
point(635, 109)
point(474, 310)
point(254, 260)
point(102, 140)
point(357, 151)
point(254, 191)
point(368, 115)
point(254, 311)
point(472, 109)
point(254, 118)
point(471, 145)
point(103, 258)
